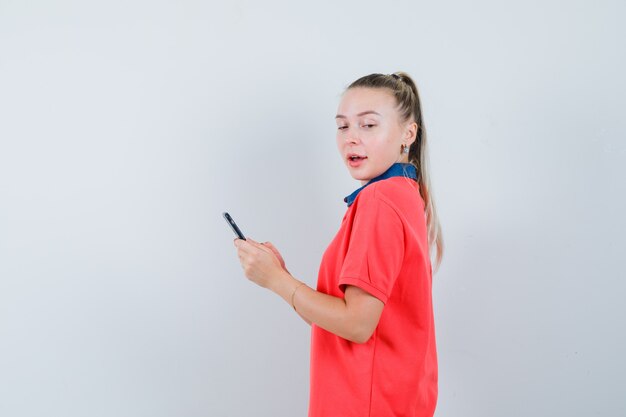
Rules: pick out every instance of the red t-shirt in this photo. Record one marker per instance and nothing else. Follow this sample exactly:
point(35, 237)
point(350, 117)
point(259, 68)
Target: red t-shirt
point(381, 247)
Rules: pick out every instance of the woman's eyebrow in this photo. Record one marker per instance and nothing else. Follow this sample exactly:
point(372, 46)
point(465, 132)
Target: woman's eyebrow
point(360, 114)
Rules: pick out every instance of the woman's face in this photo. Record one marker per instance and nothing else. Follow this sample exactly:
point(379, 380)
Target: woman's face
point(368, 126)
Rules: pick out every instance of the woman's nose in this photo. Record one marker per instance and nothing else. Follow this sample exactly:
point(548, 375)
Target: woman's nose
point(352, 137)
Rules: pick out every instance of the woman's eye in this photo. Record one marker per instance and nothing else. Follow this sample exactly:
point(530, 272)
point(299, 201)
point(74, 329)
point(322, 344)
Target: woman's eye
point(341, 127)
point(369, 125)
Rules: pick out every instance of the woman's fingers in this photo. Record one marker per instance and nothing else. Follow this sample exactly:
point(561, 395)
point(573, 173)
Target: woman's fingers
point(273, 249)
point(276, 252)
point(262, 246)
point(249, 245)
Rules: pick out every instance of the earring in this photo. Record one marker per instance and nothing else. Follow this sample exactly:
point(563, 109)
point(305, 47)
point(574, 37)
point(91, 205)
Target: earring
point(405, 148)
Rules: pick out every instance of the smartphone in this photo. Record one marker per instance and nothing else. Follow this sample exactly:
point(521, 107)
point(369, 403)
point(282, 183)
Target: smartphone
point(233, 225)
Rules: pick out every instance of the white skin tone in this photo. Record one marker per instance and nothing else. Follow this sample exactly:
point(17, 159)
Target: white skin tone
point(378, 137)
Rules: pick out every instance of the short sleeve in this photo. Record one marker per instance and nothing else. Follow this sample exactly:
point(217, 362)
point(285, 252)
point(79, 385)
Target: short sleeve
point(376, 249)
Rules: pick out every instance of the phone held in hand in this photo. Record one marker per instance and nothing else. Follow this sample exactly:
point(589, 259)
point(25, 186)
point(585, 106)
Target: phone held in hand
point(233, 225)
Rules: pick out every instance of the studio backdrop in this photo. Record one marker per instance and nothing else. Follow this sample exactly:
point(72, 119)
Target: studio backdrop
point(128, 127)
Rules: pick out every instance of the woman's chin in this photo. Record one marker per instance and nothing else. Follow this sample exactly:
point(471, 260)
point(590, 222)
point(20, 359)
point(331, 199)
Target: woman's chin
point(360, 177)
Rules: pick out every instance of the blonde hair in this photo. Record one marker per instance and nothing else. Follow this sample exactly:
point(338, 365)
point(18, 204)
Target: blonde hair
point(403, 88)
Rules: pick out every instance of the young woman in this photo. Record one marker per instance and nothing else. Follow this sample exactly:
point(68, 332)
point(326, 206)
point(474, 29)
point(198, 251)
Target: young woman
point(373, 349)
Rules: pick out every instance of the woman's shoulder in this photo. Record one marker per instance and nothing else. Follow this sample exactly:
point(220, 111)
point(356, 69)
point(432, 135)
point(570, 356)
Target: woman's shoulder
point(393, 190)
point(399, 193)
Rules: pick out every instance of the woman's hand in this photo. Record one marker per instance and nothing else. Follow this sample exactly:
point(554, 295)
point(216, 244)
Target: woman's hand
point(262, 263)
point(280, 258)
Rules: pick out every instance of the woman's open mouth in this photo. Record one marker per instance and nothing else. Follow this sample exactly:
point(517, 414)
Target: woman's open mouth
point(356, 160)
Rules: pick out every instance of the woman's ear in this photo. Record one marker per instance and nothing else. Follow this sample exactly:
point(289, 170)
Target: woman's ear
point(410, 133)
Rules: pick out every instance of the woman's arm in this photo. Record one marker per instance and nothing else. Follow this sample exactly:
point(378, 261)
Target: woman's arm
point(304, 318)
point(353, 317)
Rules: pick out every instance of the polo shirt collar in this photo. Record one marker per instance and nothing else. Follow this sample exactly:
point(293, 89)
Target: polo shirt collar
point(398, 169)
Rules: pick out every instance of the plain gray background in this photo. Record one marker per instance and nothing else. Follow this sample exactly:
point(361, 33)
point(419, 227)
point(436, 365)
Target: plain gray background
point(127, 127)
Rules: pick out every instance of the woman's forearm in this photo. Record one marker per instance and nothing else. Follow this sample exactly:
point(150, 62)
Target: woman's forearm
point(326, 311)
point(304, 318)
